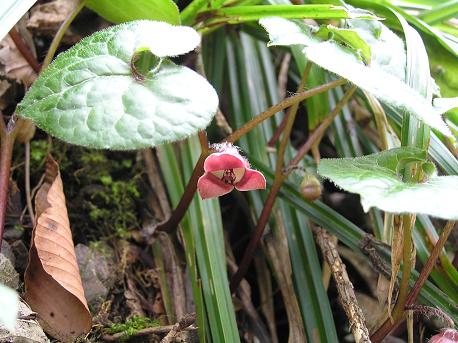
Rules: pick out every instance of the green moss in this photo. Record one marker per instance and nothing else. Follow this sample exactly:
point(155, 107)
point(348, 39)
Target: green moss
point(132, 326)
point(102, 188)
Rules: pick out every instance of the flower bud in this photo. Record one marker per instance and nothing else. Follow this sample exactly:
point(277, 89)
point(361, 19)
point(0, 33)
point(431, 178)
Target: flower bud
point(446, 336)
point(310, 187)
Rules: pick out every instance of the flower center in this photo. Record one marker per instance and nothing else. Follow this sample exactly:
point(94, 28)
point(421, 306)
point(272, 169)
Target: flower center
point(228, 176)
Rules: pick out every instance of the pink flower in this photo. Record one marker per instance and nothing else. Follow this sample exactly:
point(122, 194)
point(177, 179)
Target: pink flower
point(226, 169)
point(447, 336)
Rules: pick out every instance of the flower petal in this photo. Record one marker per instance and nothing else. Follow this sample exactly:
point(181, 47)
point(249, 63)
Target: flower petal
point(209, 186)
point(251, 180)
point(222, 161)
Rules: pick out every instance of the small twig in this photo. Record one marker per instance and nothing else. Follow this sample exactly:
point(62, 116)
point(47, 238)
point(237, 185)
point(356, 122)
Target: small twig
point(28, 195)
point(347, 295)
point(185, 322)
point(24, 50)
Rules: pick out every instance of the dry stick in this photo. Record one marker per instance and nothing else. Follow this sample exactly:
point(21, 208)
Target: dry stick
point(264, 217)
point(24, 50)
point(347, 295)
point(184, 322)
point(388, 326)
point(191, 187)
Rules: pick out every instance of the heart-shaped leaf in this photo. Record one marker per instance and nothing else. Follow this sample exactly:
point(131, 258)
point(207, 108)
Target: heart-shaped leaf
point(91, 96)
point(383, 76)
point(378, 179)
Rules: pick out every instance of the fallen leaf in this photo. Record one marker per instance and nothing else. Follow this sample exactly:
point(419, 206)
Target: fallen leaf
point(52, 279)
point(46, 19)
point(13, 65)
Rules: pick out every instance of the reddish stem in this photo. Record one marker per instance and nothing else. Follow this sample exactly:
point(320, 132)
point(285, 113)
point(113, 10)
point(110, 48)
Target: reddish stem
point(256, 237)
point(388, 325)
point(278, 131)
point(179, 212)
point(24, 50)
point(6, 155)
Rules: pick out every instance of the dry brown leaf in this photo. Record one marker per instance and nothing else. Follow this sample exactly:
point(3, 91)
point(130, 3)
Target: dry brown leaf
point(13, 65)
point(52, 279)
point(46, 19)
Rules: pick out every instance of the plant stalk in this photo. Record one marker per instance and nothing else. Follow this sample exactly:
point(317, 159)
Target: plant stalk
point(60, 34)
point(191, 187)
point(24, 50)
point(388, 325)
point(280, 107)
point(278, 181)
point(6, 155)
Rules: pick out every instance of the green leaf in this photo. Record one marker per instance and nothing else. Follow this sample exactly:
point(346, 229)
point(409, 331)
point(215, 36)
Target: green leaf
point(89, 96)
point(10, 13)
point(378, 179)
point(9, 307)
point(440, 13)
point(383, 77)
point(128, 10)
point(348, 37)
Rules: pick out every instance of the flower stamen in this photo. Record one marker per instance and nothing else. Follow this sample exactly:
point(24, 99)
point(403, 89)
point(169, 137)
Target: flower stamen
point(228, 176)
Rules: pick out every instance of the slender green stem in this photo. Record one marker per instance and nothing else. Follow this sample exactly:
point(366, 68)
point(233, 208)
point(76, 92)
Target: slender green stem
point(60, 33)
point(280, 107)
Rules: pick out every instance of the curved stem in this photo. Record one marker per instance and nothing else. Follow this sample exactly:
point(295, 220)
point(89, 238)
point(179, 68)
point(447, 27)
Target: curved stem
point(289, 124)
point(179, 212)
point(278, 181)
point(24, 50)
point(280, 107)
point(60, 33)
point(389, 325)
point(319, 131)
